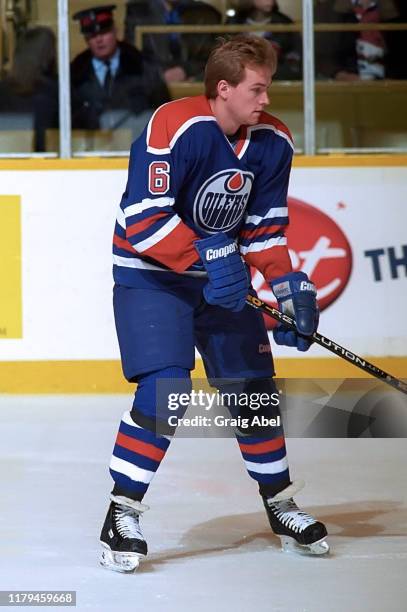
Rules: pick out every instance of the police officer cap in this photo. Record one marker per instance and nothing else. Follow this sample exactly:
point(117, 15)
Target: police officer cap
point(95, 20)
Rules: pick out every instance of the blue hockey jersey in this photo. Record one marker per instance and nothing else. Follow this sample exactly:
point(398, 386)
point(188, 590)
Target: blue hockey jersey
point(186, 180)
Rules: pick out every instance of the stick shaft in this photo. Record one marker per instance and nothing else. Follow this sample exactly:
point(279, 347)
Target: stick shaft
point(330, 345)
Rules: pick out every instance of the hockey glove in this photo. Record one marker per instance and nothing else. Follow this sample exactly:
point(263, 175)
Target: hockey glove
point(296, 296)
point(228, 283)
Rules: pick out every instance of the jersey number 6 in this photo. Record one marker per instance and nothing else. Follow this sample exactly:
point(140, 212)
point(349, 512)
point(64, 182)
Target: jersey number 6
point(159, 177)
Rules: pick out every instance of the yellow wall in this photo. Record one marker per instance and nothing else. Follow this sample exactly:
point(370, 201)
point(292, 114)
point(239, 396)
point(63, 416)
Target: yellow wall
point(10, 268)
point(105, 376)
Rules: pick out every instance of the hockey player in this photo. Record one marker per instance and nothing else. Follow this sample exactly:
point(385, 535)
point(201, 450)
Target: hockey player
point(206, 197)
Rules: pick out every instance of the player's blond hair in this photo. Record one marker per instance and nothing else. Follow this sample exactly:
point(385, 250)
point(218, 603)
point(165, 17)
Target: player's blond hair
point(230, 57)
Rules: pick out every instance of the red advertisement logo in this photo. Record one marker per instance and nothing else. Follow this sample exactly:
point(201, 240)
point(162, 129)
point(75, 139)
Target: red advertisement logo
point(318, 247)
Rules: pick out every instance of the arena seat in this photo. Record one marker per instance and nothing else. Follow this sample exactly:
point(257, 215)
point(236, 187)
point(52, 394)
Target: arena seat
point(16, 141)
point(367, 137)
point(16, 132)
point(92, 140)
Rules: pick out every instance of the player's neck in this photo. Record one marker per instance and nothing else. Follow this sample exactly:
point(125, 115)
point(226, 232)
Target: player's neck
point(226, 123)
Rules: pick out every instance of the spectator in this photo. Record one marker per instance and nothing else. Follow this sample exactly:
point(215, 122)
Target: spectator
point(113, 83)
point(356, 55)
point(29, 94)
point(181, 56)
point(286, 44)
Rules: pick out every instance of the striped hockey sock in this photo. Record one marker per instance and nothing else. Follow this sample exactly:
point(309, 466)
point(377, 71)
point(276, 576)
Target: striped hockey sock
point(266, 462)
point(136, 457)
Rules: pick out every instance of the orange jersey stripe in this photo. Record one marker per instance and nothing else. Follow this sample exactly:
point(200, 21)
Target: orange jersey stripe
point(140, 226)
point(176, 250)
point(123, 244)
point(261, 231)
point(269, 119)
point(272, 263)
point(170, 118)
point(143, 448)
point(263, 447)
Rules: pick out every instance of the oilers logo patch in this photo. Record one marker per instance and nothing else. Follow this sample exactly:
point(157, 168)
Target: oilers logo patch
point(221, 201)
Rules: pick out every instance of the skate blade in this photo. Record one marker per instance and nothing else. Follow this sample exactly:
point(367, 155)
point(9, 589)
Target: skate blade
point(119, 561)
point(321, 547)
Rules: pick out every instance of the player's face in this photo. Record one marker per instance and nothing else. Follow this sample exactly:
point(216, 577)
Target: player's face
point(103, 45)
point(264, 5)
point(247, 100)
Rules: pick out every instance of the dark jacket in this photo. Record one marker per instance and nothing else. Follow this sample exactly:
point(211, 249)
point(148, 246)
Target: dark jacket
point(287, 44)
point(137, 87)
point(190, 51)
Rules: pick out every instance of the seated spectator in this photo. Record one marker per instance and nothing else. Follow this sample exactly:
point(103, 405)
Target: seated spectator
point(357, 55)
point(29, 93)
point(113, 83)
point(181, 56)
point(287, 44)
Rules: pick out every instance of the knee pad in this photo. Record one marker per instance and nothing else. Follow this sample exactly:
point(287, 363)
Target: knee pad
point(156, 396)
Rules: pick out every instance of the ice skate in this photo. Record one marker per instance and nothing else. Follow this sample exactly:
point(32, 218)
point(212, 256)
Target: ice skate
point(121, 538)
point(298, 531)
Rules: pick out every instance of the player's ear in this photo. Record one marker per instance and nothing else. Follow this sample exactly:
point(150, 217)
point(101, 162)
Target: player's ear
point(223, 89)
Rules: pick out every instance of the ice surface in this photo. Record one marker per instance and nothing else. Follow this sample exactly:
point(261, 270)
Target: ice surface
point(209, 540)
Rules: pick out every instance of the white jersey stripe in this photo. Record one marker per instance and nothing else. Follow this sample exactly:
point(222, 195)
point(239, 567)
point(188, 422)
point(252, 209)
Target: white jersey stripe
point(140, 264)
point(185, 126)
point(121, 220)
point(257, 247)
point(139, 207)
point(267, 126)
point(166, 229)
point(155, 151)
point(274, 467)
point(244, 147)
point(281, 211)
point(130, 470)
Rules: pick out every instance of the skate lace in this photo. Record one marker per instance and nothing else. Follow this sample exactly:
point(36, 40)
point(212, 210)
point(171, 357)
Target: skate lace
point(291, 516)
point(127, 522)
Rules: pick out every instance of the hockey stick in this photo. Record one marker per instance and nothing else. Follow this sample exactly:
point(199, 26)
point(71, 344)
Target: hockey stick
point(332, 346)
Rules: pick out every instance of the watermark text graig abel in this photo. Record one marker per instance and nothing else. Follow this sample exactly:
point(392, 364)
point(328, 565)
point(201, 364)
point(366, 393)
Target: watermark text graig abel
point(241, 403)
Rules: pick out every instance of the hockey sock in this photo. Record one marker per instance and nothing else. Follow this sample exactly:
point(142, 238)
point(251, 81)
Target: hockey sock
point(139, 450)
point(266, 462)
point(262, 447)
point(136, 457)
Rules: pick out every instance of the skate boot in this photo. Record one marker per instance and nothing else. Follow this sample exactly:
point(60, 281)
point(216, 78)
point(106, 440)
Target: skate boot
point(298, 531)
point(121, 538)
